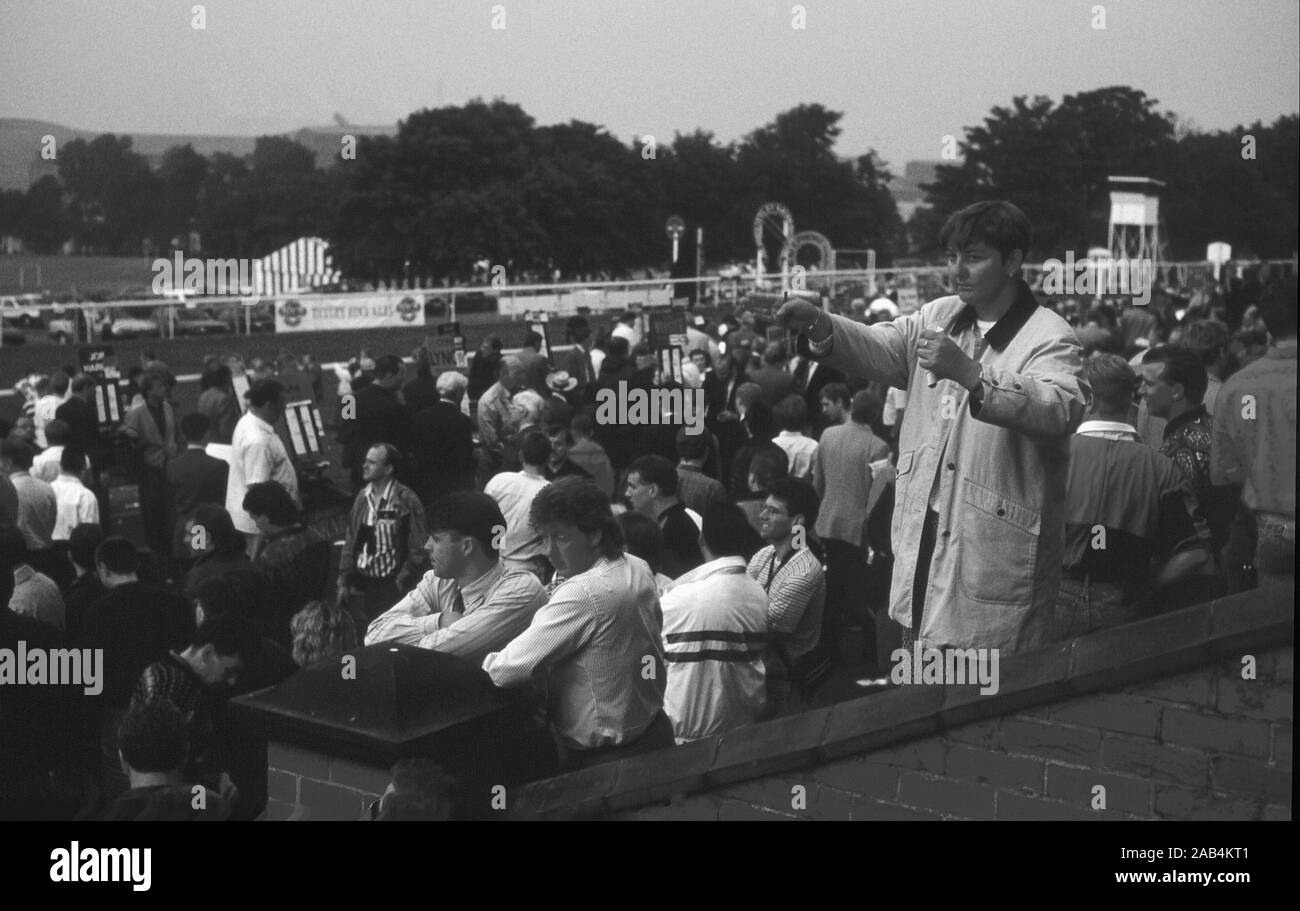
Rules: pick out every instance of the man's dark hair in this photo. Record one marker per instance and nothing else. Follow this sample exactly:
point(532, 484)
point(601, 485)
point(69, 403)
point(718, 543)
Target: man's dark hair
point(264, 392)
point(618, 346)
point(149, 379)
point(220, 529)
point(866, 407)
point(17, 451)
point(535, 448)
point(768, 465)
point(118, 554)
point(642, 537)
point(470, 513)
point(154, 736)
point(727, 532)
point(422, 791)
point(708, 359)
point(1277, 307)
point(72, 460)
point(791, 413)
point(1207, 337)
point(774, 353)
point(578, 328)
point(532, 339)
point(392, 455)
point(195, 427)
point(270, 499)
point(59, 386)
point(83, 382)
point(837, 392)
point(799, 497)
point(1112, 380)
point(388, 365)
point(581, 424)
point(656, 470)
point(57, 433)
point(693, 446)
point(997, 223)
point(578, 501)
point(83, 541)
point(13, 546)
point(1181, 365)
point(227, 594)
point(759, 421)
point(230, 635)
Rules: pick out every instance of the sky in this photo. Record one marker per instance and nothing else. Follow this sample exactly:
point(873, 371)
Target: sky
point(905, 74)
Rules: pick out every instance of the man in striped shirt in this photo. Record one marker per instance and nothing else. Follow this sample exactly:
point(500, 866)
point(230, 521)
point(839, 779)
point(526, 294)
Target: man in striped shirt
point(715, 626)
point(795, 583)
point(469, 603)
point(598, 638)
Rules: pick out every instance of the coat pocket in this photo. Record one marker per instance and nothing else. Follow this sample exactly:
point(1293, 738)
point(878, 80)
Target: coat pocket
point(999, 546)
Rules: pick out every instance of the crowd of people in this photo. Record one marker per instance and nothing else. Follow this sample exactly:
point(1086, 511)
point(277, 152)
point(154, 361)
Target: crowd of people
point(988, 471)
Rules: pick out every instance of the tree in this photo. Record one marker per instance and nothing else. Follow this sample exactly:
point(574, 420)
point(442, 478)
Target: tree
point(112, 194)
point(1053, 161)
point(181, 177)
point(43, 225)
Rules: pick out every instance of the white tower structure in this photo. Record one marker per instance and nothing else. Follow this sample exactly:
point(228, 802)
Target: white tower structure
point(1135, 219)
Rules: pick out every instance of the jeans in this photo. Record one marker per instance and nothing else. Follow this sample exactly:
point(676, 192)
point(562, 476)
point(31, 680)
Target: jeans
point(1274, 548)
point(1083, 606)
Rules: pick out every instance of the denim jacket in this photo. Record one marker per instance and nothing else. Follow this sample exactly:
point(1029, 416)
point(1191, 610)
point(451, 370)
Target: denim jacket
point(997, 468)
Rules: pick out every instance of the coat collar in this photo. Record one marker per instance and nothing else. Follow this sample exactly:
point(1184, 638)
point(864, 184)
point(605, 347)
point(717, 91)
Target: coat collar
point(1022, 308)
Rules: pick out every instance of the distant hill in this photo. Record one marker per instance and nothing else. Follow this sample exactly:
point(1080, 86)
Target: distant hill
point(21, 164)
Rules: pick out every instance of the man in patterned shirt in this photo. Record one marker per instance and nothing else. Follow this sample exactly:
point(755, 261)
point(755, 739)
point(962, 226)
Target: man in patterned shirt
point(795, 583)
point(1174, 381)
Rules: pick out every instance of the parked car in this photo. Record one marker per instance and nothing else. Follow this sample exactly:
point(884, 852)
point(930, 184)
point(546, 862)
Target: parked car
point(198, 322)
point(11, 336)
point(20, 310)
point(132, 325)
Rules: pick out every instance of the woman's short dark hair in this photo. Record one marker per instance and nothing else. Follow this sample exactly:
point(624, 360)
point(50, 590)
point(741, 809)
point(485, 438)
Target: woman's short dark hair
point(579, 502)
point(270, 499)
point(791, 413)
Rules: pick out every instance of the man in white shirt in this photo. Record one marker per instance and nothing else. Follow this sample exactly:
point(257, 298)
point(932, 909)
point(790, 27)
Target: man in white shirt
point(597, 639)
point(791, 415)
point(715, 628)
point(76, 504)
point(50, 391)
point(522, 547)
point(626, 327)
point(469, 604)
point(45, 464)
point(257, 454)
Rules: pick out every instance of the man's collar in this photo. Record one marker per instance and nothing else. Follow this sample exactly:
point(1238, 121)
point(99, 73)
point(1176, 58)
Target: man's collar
point(1283, 351)
point(1021, 309)
point(483, 583)
point(683, 466)
point(1176, 424)
point(1094, 428)
point(23, 572)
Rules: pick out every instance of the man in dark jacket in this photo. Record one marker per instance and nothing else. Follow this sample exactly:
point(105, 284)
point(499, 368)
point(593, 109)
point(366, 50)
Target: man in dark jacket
point(442, 443)
point(376, 416)
point(194, 477)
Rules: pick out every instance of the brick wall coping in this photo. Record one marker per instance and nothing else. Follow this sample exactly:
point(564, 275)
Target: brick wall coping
point(1119, 656)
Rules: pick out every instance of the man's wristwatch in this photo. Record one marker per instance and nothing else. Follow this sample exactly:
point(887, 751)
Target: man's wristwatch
point(823, 347)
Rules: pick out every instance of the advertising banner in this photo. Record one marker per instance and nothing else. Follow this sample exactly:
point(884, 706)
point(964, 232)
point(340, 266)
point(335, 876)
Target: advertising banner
point(323, 314)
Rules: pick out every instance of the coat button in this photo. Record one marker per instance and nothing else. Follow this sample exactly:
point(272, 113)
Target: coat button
point(1017, 385)
point(952, 467)
point(1001, 511)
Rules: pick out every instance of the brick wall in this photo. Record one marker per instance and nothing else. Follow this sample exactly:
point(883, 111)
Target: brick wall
point(305, 784)
point(1151, 720)
point(1199, 745)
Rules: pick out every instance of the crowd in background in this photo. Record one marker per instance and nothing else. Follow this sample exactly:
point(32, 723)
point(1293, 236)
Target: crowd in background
point(495, 516)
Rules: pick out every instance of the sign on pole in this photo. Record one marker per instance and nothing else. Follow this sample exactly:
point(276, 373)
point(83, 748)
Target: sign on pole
point(676, 227)
point(446, 348)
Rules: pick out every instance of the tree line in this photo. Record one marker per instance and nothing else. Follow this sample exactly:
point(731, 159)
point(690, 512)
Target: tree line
point(461, 185)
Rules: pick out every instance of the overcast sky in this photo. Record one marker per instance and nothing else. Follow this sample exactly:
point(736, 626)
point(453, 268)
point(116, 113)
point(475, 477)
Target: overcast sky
point(904, 73)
